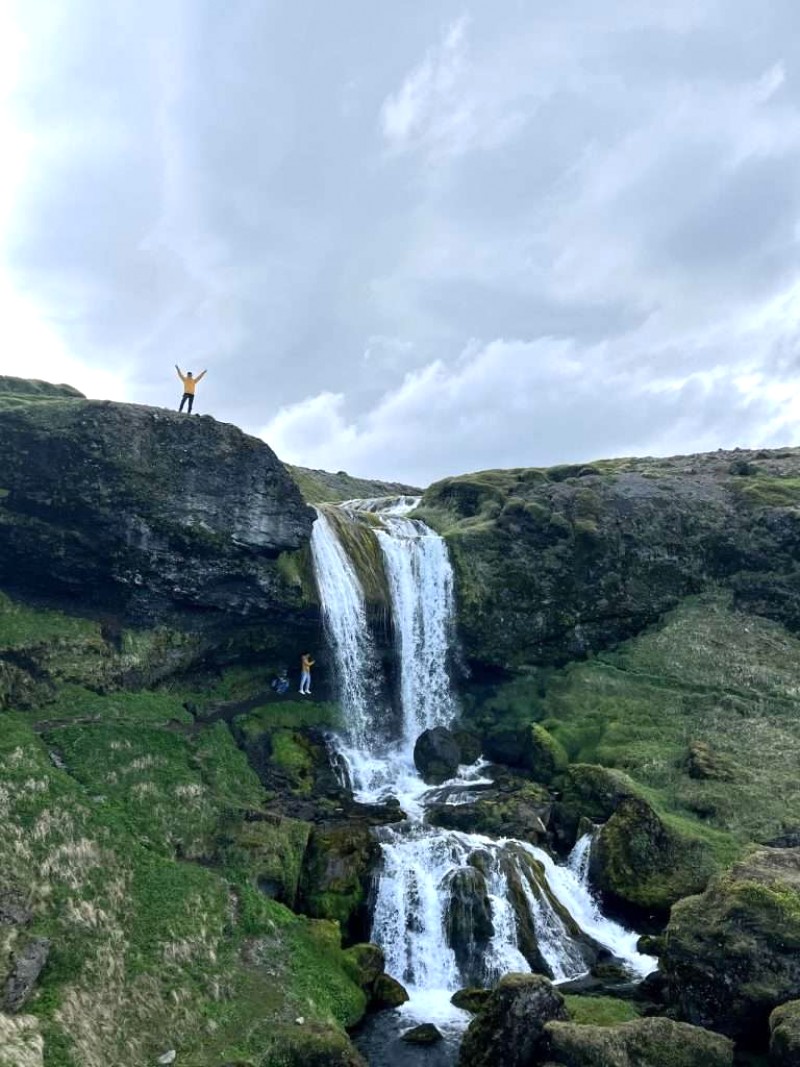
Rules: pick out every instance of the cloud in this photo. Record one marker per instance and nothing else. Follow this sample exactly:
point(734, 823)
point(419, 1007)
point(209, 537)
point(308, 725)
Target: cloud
point(485, 235)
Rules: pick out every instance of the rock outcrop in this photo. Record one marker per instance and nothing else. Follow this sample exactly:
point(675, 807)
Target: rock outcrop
point(641, 1043)
point(143, 512)
point(437, 755)
point(784, 1039)
point(732, 955)
point(509, 1028)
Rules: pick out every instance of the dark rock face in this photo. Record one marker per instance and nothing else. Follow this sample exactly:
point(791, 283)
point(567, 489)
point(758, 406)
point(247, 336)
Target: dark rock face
point(468, 920)
point(510, 1027)
point(437, 755)
point(554, 564)
point(784, 1028)
point(641, 1043)
point(28, 964)
point(733, 954)
point(144, 511)
point(336, 875)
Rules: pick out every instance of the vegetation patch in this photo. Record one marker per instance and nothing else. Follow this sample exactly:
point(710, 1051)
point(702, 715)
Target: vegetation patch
point(599, 1011)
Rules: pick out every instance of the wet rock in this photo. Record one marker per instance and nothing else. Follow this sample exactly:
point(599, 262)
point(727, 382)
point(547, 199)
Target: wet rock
point(437, 755)
point(784, 1041)
point(531, 748)
point(641, 1043)
point(471, 1000)
point(28, 964)
point(732, 955)
point(640, 860)
point(468, 920)
point(387, 992)
point(509, 1029)
point(517, 809)
point(426, 1034)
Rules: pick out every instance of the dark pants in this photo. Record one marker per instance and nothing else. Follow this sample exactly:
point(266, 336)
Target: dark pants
point(184, 398)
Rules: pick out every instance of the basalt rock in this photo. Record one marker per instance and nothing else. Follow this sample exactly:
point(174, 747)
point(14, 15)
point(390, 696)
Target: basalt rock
point(387, 992)
point(28, 964)
point(471, 1000)
point(732, 955)
point(516, 809)
point(784, 1041)
point(437, 755)
point(641, 1043)
point(509, 1029)
point(468, 920)
point(426, 1034)
point(144, 513)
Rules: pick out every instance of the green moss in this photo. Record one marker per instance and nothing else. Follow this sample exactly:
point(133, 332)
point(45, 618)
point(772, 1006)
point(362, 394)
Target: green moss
point(144, 706)
point(22, 626)
point(364, 551)
point(287, 714)
point(291, 755)
point(765, 491)
point(599, 1011)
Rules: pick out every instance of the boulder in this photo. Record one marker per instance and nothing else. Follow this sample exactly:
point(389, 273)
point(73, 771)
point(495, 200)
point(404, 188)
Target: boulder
point(732, 955)
point(29, 961)
point(471, 1000)
point(366, 963)
point(532, 748)
point(468, 920)
point(437, 755)
point(426, 1034)
point(509, 1029)
point(639, 859)
point(784, 1039)
point(513, 807)
point(387, 992)
point(640, 1043)
point(336, 873)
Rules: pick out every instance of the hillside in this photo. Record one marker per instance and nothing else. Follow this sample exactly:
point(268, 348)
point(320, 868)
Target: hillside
point(322, 487)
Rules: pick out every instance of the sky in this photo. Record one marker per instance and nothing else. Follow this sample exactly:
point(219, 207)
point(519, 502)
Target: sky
point(411, 239)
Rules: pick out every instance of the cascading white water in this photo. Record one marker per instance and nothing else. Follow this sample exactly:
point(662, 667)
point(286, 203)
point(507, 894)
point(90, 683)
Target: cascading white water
point(421, 862)
point(421, 586)
point(345, 619)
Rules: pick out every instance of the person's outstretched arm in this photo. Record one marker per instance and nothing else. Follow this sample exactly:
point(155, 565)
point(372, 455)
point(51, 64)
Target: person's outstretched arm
point(178, 369)
point(202, 374)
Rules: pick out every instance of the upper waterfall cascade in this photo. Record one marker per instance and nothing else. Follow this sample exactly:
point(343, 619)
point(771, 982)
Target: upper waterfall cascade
point(450, 909)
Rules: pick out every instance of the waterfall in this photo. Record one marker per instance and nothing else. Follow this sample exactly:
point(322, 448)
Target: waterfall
point(450, 908)
point(345, 620)
point(421, 586)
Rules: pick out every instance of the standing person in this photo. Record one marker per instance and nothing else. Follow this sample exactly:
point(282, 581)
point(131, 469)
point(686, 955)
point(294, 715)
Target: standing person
point(306, 663)
point(189, 384)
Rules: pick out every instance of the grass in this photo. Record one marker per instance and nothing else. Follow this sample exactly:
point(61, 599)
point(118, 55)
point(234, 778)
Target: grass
point(707, 674)
point(22, 626)
point(599, 1011)
point(767, 491)
point(150, 950)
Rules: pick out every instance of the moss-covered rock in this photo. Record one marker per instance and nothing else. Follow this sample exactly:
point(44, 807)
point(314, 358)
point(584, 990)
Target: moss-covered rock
point(336, 874)
point(599, 1010)
point(733, 954)
point(639, 858)
point(387, 992)
point(471, 1000)
point(784, 1040)
point(515, 808)
point(509, 1029)
point(640, 1043)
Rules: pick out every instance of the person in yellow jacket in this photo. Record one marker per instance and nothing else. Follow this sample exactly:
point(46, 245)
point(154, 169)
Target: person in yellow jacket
point(306, 663)
point(189, 384)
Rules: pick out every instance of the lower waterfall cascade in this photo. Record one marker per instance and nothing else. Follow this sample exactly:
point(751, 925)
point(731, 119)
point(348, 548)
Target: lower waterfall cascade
point(451, 909)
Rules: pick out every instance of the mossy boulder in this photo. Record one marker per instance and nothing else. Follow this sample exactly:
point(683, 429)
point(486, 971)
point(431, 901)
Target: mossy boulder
point(468, 920)
point(471, 1000)
point(271, 849)
point(639, 1043)
point(509, 1029)
point(312, 1045)
point(640, 859)
point(784, 1040)
point(425, 1034)
point(336, 875)
point(531, 748)
point(387, 993)
point(366, 963)
point(594, 792)
point(732, 955)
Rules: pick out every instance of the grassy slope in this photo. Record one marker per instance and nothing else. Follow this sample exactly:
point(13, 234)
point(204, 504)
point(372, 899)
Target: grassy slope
point(324, 487)
point(707, 674)
point(156, 945)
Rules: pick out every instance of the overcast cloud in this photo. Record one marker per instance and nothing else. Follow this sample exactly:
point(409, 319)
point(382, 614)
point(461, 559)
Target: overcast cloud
point(412, 239)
